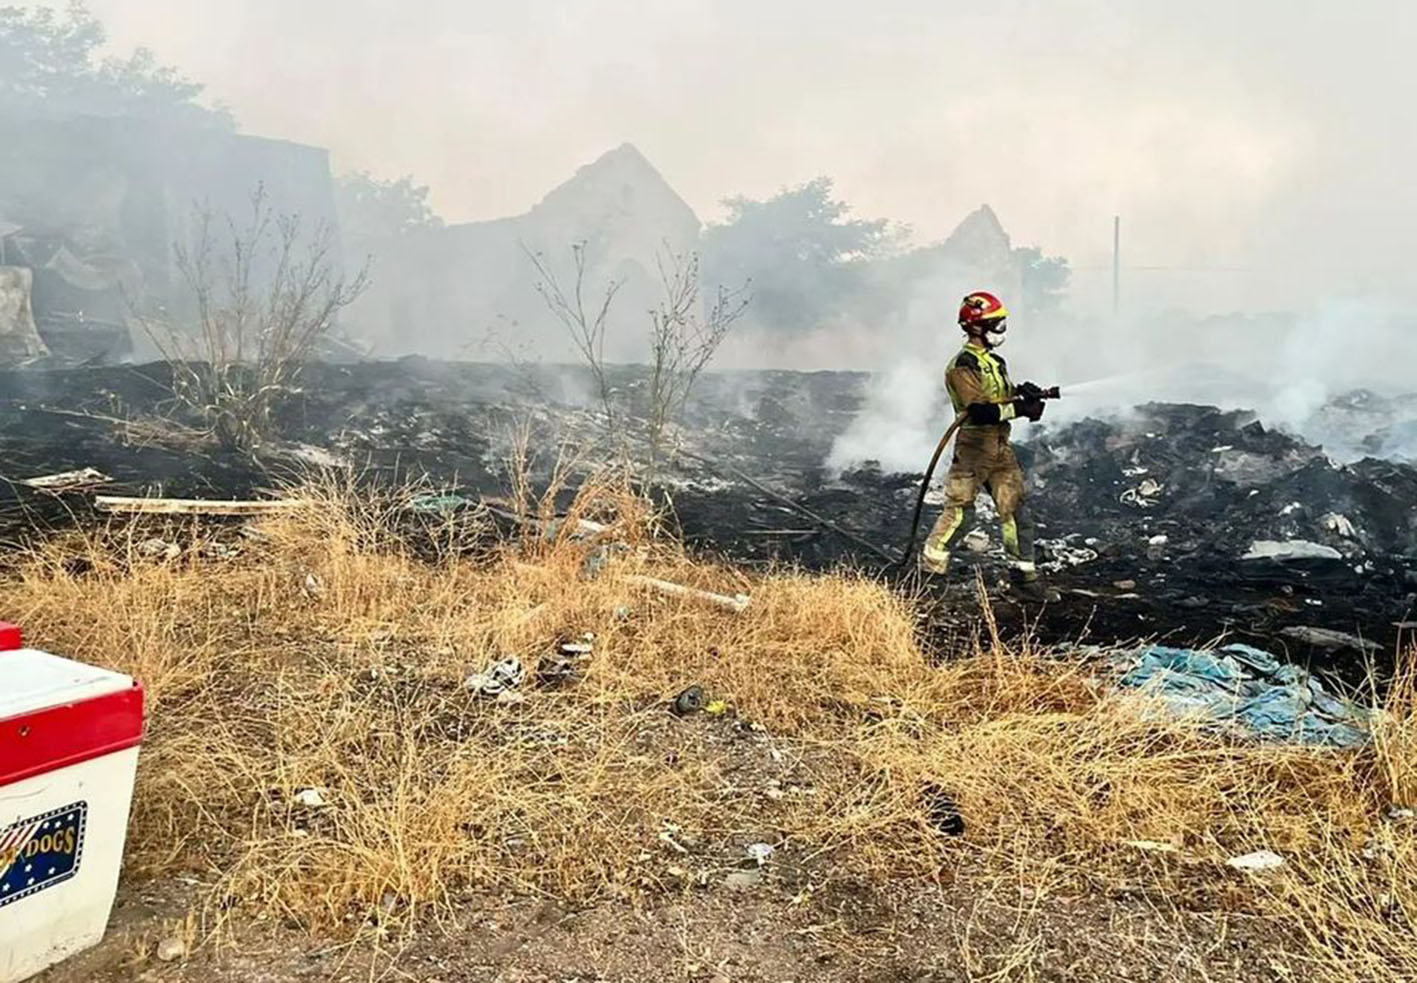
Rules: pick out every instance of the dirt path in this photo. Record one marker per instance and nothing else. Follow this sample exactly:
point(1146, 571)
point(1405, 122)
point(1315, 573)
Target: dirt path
point(961, 930)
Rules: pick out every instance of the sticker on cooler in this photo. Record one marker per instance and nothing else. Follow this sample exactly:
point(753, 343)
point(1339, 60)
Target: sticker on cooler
point(41, 852)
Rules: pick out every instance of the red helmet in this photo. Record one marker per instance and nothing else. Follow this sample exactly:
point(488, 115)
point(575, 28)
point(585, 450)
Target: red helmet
point(981, 308)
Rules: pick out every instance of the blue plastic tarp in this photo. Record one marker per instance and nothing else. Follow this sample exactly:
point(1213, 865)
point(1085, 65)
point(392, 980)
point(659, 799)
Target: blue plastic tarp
point(1245, 687)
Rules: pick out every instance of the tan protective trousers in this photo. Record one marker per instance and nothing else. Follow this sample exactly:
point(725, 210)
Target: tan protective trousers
point(984, 459)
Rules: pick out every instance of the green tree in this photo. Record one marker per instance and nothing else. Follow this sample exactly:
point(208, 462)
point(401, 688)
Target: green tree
point(800, 250)
point(50, 66)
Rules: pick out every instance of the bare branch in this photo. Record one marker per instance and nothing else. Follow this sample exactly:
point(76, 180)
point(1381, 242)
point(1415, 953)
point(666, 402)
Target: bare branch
point(683, 338)
point(256, 317)
point(587, 331)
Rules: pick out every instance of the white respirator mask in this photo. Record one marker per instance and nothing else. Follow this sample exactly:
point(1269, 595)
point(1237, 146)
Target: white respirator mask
point(994, 339)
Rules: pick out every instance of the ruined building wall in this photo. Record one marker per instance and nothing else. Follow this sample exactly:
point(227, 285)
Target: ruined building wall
point(99, 203)
point(444, 292)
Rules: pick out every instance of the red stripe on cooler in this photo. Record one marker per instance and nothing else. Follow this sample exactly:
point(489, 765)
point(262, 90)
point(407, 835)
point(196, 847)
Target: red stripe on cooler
point(56, 737)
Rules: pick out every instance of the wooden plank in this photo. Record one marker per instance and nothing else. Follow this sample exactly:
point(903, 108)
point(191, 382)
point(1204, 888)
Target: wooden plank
point(194, 506)
point(737, 604)
point(68, 480)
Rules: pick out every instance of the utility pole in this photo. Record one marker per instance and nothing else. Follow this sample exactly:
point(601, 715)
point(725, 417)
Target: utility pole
point(1116, 265)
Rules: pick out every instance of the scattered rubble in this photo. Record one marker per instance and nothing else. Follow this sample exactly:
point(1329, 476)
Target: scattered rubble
point(566, 662)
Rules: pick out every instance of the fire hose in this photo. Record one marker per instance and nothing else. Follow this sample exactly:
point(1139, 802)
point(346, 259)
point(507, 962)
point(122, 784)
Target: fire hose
point(1033, 392)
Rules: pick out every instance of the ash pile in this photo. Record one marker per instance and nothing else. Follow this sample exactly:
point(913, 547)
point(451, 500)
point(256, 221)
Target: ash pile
point(1222, 483)
point(1174, 521)
point(1191, 521)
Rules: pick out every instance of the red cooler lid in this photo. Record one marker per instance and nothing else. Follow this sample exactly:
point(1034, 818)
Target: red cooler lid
point(55, 712)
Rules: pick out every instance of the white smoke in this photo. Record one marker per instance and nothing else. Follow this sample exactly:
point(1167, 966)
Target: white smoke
point(1287, 368)
point(900, 422)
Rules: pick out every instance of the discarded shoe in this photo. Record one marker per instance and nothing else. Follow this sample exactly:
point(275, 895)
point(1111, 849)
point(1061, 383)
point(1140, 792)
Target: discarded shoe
point(689, 701)
point(942, 810)
point(501, 676)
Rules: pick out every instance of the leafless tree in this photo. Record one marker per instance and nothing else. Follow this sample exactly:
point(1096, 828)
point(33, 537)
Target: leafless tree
point(586, 327)
point(263, 296)
point(684, 335)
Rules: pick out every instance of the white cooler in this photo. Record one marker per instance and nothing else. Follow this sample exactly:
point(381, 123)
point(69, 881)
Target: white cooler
point(69, 736)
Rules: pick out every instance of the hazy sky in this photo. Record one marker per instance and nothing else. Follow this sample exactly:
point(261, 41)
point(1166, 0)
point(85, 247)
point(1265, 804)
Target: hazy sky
point(1276, 136)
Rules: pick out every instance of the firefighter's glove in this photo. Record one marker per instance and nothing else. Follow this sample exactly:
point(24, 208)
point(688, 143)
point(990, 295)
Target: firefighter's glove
point(1031, 408)
point(1028, 390)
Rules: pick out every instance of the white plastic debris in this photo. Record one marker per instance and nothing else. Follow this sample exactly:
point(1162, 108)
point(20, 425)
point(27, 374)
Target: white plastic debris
point(1161, 539)
point(1063, 553)
point(1260, 860)
point(760, 852)
point(1291, 549)
point(1291, 508)
point(1340, 524)
point(1144, 495)
point(311, 798)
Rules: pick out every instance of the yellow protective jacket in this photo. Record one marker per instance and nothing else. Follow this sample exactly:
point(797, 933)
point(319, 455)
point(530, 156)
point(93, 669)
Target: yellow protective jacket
point(979, 386)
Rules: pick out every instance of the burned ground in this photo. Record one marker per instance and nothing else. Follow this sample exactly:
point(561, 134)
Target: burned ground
point(346, 798)
point(1143, 520)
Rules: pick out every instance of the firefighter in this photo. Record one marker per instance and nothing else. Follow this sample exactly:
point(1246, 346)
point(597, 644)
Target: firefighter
point(979, 387)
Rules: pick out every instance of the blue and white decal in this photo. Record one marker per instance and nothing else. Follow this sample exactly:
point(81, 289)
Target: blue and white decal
point(41, 852)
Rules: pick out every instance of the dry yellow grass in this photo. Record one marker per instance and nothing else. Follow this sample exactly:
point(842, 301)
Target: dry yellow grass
point(327, 655)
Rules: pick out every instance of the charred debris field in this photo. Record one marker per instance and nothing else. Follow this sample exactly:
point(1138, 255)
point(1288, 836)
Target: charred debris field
point(1175, 522)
